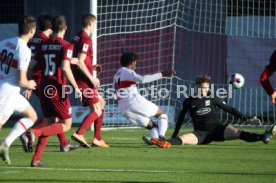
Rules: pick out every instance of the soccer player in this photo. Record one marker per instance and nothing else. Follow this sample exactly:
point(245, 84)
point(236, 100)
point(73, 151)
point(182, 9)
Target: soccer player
point(45, 28)
point(136, 108)
point(15, 57)
point(88, 83)
point(55, 56)
point(207, 128)
point(267, 72)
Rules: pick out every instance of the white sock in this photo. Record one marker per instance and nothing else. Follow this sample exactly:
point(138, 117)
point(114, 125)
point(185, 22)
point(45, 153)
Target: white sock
point(154, 133)
point(20, 127)
point(162, 124)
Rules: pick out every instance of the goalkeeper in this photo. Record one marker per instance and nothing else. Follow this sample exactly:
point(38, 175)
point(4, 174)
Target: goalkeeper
point(207, 127)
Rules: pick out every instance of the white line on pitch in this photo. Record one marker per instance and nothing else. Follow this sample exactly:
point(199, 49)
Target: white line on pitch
point(96, 170)
point(9, 172)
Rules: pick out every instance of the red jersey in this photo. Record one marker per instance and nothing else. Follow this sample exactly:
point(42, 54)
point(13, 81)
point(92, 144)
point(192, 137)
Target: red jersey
point(268, 71)
point(34, 45)
point(83, 44)
point(52, 53)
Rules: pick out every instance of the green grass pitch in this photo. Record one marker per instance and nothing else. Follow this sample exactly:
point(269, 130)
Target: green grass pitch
point(130, 160)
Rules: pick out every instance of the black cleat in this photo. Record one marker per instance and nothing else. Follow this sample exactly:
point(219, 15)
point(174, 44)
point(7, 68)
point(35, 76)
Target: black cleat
point(147, 140)
point(69, 147)
point(267, 136)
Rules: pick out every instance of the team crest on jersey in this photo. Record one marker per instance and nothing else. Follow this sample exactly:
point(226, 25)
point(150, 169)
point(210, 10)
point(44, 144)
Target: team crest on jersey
point(207, 102)
point(69, 54)
point(85, 47)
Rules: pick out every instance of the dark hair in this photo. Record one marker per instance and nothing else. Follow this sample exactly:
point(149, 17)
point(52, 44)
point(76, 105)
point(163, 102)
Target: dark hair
point(87, 18)
point(128, 58)
point(59, 23)
point(203, 79)
point(25, 24)
point(45, 22)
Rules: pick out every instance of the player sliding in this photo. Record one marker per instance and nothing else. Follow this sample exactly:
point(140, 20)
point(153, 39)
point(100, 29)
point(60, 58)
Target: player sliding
point(207, 127)
point(136, 108)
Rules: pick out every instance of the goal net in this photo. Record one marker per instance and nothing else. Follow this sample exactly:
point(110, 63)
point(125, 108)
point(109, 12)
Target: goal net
point(194, 37)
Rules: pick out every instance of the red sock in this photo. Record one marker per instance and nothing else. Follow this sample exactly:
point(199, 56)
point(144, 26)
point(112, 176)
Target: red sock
point(52, 129)
point(41, 145)
point(98, 126)
point(62, 139)
point(40, 124)
point(88, 120)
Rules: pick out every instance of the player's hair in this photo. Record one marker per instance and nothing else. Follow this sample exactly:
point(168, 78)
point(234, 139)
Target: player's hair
point(25, 24)
point(128, 58)
point(59, 23)
point(87, 18)
point(45, 22)
point(203, 79)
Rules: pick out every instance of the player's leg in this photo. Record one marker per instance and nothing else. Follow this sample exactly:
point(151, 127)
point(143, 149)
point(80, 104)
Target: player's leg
point(22, 106)
point(232, 133)
point(162, 123)
point(189, 138)
point(97, 140)
point(63, 125)
point(95, 112)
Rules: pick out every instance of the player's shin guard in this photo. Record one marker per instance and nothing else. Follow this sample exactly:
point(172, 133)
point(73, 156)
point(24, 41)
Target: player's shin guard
point(62, 139)
point(88, 120)
point(154, 133)
point(250, 137)
point(98, 126)
point(41, 145)
point(18, 129)
point(162, 124)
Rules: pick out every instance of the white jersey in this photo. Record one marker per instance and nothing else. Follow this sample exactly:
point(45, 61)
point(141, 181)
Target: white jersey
point(15, 55)
point(125, 81)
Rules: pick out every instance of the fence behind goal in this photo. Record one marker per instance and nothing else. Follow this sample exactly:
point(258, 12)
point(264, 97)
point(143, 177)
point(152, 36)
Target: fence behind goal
point(194, 37)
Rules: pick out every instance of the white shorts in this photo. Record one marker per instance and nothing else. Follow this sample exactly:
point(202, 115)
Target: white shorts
point(10, 103)
point(140, 112)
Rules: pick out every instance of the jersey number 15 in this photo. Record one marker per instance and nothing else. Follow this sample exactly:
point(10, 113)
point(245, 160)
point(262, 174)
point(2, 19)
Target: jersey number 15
point(50, 68)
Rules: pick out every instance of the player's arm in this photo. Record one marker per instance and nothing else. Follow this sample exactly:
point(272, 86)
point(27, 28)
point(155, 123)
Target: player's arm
point(264, 79)
point(24, 82)
point(95, 81)
point(251, 120)
point(149, 78)
point(66, 68)
point(23, 64)
point(31, 67)
point(181, 118)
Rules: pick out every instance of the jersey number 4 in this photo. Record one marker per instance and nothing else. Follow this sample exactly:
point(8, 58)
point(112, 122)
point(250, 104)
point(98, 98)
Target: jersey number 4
point(50, 68)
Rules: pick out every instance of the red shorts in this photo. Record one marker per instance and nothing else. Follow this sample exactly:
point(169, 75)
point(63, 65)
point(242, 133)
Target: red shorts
point(56, 106)
point(90, 96)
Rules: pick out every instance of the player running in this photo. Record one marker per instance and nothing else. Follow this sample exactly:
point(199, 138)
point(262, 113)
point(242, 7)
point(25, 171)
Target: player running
point(45, 27)
point(136, 108)
point(56, 54)
point(15, 57)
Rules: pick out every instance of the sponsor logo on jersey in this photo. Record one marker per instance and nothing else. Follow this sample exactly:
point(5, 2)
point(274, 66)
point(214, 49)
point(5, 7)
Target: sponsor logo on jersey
point(85, 47)
point(203, 111)
point(207, 102)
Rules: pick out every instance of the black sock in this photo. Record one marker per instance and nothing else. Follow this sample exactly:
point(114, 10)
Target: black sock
point(175, 141)
point(250, 137)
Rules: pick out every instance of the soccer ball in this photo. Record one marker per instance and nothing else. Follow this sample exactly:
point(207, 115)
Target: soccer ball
point(237, 80)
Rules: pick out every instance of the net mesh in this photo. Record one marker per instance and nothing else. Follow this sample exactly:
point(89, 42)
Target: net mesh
point(194, 37)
